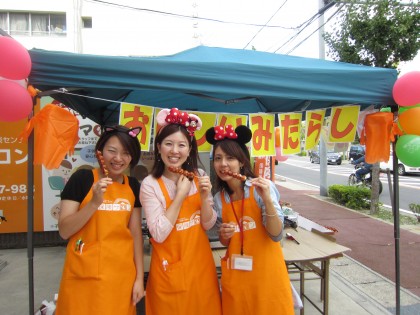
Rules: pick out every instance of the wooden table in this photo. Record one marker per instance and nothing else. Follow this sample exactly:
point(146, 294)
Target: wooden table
point(312, 255)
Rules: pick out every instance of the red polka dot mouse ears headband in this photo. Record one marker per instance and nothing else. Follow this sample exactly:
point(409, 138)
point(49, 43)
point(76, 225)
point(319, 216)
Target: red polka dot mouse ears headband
point(174, 116)
point(242, 134)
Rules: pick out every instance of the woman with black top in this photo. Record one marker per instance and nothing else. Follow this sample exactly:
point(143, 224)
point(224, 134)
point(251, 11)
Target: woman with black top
point(100, 215)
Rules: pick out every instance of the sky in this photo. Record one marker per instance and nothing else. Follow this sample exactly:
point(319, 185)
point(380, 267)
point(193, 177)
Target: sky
point(280, 26)
point(231, 24)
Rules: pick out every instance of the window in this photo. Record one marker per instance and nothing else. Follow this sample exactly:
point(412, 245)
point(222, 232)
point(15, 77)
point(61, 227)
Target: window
point(86, 21)
point(19, 23)
point(33, 24)
point(3, 21)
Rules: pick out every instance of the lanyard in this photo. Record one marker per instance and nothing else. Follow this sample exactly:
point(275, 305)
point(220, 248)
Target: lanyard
point(240, 223)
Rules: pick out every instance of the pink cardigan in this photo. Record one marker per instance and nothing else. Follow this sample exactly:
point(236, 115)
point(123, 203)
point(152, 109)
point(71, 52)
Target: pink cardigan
point(154, 206)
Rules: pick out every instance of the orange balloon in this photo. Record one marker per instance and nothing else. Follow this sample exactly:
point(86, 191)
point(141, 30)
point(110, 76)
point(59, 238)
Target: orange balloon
point(409, 121)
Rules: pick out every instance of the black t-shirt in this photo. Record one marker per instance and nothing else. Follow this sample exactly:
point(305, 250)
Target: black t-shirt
point(81, 181)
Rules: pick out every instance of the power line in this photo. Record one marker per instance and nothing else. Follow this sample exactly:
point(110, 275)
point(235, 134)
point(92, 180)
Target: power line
point(306, 25)
point(187, 16)
point(265, 24)
point(301, 42)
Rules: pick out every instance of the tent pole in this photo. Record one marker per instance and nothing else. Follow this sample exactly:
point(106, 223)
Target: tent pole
point(30, 232)
point(396, 212)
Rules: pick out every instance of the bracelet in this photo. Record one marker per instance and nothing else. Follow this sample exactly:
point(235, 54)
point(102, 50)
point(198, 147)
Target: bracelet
point(271, 215)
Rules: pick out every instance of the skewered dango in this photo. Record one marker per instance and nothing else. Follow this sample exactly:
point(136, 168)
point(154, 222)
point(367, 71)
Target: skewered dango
point(101, 162)
point(178, 170)
point(235, 175)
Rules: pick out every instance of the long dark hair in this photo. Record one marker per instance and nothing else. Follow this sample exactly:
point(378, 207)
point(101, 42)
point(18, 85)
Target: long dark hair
point(238, 151)
point(191, 164)
point(129, 142)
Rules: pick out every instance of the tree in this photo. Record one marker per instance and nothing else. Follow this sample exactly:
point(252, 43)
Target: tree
point(379, 33)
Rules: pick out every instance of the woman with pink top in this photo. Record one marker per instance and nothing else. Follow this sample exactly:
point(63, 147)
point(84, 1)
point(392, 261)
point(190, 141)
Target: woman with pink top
point(179, 209)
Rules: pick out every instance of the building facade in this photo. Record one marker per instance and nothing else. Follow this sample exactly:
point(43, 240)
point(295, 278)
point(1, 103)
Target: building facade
point(96, 27)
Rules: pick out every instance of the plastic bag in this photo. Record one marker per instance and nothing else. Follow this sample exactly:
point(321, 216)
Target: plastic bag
point(46, 308)
point(297, 301)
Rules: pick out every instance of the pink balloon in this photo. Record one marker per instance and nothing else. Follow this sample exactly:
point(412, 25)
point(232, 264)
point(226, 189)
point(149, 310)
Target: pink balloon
point(279, 157)
point(15, 62)
point(22, 82)
point(406, 90)
point(15, 101)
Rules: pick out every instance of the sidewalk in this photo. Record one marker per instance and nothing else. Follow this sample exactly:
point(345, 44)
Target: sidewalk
point(48, 262)
point(369, 268)
point(355, 288)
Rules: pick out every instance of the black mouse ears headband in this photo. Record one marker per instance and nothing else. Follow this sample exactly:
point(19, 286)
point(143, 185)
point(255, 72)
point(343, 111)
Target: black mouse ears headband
point(133, 132)
point(242, 134)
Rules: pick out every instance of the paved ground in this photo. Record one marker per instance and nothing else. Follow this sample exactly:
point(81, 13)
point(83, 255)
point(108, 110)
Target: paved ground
point(369, 267)
point(361, 282)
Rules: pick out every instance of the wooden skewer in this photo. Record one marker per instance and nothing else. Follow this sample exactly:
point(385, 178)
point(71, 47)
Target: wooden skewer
point(235, 175)
point(101, 162)
point(181, 171)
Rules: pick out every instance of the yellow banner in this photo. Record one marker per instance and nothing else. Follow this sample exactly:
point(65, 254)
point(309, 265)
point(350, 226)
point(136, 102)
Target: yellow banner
point(209, 120)
point(314, 122)
point(290, 124)
point(343, 124)
point(224, 119)
point(132, 115)
point(263, 141)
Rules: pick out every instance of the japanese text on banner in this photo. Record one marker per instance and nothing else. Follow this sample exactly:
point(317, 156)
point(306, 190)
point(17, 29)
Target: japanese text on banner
point(343, 123)
point(209, 120)
point(235, 120)
point(290, 124)
point(314, 122)
point(132, 115)
point(262, 127)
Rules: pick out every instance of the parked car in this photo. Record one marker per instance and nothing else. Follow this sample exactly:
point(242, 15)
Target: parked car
point(332, 157)
point(356, 151)
point(402, 168)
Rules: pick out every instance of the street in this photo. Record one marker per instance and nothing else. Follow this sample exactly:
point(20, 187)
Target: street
point(300, 169)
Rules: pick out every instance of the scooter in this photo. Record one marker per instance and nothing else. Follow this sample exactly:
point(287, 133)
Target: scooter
point(366, 179)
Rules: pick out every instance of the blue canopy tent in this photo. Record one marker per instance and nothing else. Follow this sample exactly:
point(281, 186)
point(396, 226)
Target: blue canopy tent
point(206, 79)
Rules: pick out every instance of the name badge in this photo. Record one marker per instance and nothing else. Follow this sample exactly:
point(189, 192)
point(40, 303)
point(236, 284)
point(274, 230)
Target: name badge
point(241, 262)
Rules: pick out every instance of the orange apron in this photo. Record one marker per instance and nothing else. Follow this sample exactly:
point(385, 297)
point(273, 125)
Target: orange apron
point(182, 278)
point(98, 278)
point(265, 289)
point(378, 131)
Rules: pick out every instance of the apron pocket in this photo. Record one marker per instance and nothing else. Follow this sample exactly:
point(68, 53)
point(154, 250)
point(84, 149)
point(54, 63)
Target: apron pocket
point(173, 279)
point(225, 279)
point(84, 264)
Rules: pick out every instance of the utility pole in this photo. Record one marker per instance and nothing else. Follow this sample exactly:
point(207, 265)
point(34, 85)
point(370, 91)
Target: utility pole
point(323, 165)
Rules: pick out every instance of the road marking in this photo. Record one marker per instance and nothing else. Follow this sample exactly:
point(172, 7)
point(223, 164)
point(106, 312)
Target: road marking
point(343, 171)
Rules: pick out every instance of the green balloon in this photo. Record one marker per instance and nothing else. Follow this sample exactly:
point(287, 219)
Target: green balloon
point(402, 109)
point(408, 150)
point(385, 110)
